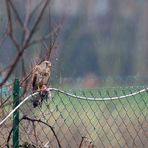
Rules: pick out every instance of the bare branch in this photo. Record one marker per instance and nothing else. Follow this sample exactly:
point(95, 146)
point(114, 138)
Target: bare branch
point(46, 37)
point(16, 13)
point(34, 120)
point(13, 39)
point(52, 42)
point(25, 45)
point(9, 17)
point(4, 36)
point(10, 27)
point(28, 18)
point(26, 41)
point(19, 55)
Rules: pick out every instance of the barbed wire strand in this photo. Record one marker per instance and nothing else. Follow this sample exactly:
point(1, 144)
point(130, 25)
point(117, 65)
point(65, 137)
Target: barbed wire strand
point(74, 96)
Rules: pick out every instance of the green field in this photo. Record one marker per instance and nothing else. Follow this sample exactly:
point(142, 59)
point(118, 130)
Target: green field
point(112, 123)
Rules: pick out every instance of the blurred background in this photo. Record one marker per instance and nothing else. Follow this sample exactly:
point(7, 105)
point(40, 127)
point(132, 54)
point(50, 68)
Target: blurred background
point(91, 44)
point(100, 41)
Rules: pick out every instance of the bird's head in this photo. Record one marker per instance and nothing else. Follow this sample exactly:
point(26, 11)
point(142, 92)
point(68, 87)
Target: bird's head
point(47, 63)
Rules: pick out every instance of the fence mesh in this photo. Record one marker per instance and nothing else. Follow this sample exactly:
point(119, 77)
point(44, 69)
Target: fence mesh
point(65, 118)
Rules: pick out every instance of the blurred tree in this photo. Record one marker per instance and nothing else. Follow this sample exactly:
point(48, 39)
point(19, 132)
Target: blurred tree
point(141, 55)
point(109, 39)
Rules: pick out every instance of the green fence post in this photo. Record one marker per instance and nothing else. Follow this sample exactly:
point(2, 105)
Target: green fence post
point(16, 89)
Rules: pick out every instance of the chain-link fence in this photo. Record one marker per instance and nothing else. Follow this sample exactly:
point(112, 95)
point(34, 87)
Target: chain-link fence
point(108, 117)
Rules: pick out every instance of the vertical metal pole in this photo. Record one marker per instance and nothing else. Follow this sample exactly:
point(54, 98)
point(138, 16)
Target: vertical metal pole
point(16, 89)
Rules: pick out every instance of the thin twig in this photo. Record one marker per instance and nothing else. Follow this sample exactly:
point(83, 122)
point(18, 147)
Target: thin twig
point(10, 25)
point(34, 10)
point(26, 42)
point(16, 13)
point(52, 40)
point(40, 121)
point(4, 36)
point(12, 67)
point(34, 120)
point(80, 146)
point(9, 16)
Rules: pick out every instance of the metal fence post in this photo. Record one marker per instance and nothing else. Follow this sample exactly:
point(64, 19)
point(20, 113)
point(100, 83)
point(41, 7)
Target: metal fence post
point(16, 114)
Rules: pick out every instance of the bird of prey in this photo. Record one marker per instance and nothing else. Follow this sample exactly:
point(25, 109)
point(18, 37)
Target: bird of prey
point(40, 79)
point(41, 76)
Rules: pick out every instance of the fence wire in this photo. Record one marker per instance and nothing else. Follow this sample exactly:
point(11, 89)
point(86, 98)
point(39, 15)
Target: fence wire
point(108, 117)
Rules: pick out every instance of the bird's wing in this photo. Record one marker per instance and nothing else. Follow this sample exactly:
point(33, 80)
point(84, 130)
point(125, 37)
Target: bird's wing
point(34, 82)
point(48, 69)
point(46, 78)
point(35, 79)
